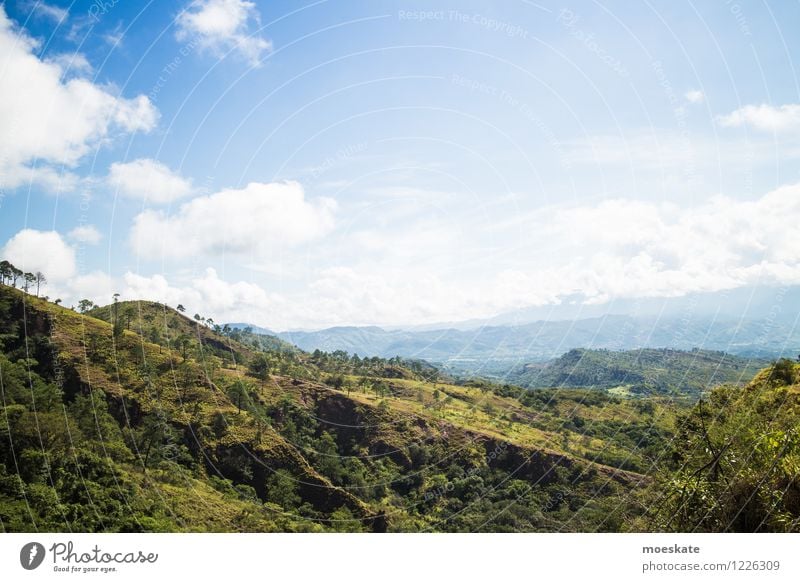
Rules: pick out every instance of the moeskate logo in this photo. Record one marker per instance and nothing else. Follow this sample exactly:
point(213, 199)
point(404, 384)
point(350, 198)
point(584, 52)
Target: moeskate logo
point(31, 555)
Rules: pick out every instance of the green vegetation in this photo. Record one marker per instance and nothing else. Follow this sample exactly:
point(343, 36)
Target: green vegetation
point(134, 417)
point(639, 372)
point(734, 464)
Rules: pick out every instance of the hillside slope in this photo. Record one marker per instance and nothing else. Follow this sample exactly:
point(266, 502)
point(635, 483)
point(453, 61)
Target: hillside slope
point(734, 465)
point(152, 433)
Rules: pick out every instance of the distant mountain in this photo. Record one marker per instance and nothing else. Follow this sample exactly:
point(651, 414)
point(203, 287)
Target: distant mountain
point(491, 350)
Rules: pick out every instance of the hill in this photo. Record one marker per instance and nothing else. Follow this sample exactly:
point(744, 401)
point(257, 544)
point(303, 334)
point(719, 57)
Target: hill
point(645, 371)
point(733, 466)
point(156, 422)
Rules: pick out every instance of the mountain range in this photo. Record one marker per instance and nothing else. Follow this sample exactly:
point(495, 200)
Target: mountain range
point(493, 349)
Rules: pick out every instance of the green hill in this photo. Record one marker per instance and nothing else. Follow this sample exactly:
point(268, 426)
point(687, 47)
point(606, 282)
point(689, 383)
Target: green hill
point(136, 418)
point(645, 371)
point(734, 465)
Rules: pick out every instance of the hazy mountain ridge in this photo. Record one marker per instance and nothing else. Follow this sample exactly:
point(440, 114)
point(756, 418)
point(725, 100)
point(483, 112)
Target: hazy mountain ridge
point(471, 350)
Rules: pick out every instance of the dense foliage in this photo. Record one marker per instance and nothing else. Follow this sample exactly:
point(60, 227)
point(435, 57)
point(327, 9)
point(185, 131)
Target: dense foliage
point(734, 464)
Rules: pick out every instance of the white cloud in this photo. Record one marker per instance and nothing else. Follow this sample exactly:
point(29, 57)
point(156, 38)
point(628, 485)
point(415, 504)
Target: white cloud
point(148, 180)
point(48, 252)
point(695, 96)
point(617, 248)
point(207, 294)
point(71, 63)
point(49, 122)
point(612, 249)
point(764, 117)
point(51, 11)
point(629, 248)
point(87, 234)
point(45, 251)
point(253, 221)
point(222, 26)
point(96, 286)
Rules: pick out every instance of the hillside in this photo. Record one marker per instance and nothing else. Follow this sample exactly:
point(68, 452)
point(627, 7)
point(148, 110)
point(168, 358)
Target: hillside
point(646, 371)
point(734, 465)
point(181, 428)
point(157, 422)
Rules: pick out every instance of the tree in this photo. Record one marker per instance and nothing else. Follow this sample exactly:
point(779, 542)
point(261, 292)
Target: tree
point(335, 381)
point(29, 279)
point(57, 301)
point(260, 367)
point(117, 323)
point(282, 489)
point(40, 280)
point(239, 395)
point(782, 372)
point(180, 308)
point(85, 305)
point(154, 436)
point(15, 274)
point(5, 271)
point(183, 342)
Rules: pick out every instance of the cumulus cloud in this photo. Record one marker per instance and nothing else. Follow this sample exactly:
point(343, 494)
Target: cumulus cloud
point(250, 221)
point(74, 64)
point(695, 96)
point(149, 180)
point(222, 26)
point(764, 117)
point(87, 234)
point(49, 11)
point(617, 248)
point(49, 122)
point(208, 294)
point(613, 249)
point(45, 251)
point(629, 248)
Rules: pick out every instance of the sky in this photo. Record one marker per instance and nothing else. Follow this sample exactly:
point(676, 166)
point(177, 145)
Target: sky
point(300, 165)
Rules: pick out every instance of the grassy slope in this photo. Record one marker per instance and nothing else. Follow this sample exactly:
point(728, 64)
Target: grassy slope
point(140, 378)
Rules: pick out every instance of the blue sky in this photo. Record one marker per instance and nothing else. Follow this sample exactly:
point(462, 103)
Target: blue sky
point(301, 165)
